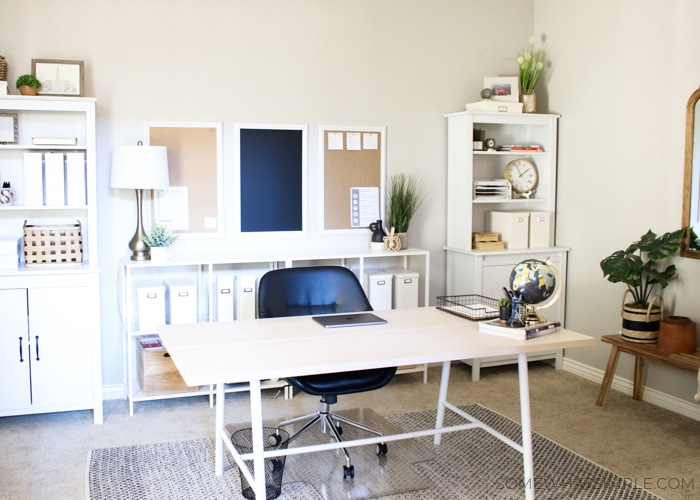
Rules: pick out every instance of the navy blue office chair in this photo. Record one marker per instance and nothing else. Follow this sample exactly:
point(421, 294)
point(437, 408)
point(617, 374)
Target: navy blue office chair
point(314, 290)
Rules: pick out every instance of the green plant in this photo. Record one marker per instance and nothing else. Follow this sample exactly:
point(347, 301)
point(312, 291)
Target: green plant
point(28, 80)
point(161, 236)
point(404, 199)
point(636, 266)
point(503, 302)
point(478, 134)
point(530, 65)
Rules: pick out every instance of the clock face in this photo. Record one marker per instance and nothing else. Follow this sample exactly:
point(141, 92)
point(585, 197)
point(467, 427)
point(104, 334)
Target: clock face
point(522, 175)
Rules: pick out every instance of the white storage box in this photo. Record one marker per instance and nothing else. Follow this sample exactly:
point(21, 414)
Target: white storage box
point(245, 296)
point(378, 286)
point(224, 298)
point(514, 227)
point(541, 230)
point(405, 287)
point(181, 301)
point(151, 304)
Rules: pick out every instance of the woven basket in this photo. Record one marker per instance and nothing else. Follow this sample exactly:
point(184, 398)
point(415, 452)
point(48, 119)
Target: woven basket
point(57, 244)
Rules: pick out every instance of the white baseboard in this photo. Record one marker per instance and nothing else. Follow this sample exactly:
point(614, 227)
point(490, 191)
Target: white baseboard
point(113, 392)
point(689, 409)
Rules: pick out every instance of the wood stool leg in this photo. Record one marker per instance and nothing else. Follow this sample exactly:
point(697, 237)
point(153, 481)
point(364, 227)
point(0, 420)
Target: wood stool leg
point(607, 378)
point(638, 373)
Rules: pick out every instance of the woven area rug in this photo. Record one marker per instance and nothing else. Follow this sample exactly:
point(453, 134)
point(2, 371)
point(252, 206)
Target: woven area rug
point(467, 465)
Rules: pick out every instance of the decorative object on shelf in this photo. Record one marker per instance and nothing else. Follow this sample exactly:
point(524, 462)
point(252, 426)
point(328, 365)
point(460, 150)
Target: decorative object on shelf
point(641, 317)
point(490, 144)
point(523, 177)
point(53, 244)
point(139, 167)
point(8, 128)
point(3, 69)
point(530, 65)
point(392, 242)
point(504, 308)
point(537, 285)
point(503, 88)
point(59, 77)
point(479, 135)
point(28, 85)
point(159, 240)
point(677, 335)
point(404, 199)
point(376, 242)
point(7, 194)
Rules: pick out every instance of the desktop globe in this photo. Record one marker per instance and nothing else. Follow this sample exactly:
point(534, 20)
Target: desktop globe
point(538, 283)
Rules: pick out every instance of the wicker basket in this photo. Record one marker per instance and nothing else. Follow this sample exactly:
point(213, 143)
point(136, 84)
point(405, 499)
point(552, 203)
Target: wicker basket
point(57, 244)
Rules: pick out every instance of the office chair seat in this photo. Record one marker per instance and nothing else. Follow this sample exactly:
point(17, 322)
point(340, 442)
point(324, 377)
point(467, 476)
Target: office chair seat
point(317, 290)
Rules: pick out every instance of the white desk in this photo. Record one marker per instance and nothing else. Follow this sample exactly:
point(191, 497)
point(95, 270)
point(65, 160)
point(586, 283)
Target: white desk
point(255, 350)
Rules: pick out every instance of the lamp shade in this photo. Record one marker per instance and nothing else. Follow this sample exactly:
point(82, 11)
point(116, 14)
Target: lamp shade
point(140, 167)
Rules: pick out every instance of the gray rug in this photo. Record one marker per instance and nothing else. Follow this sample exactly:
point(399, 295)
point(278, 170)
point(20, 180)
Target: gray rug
point(469, 465)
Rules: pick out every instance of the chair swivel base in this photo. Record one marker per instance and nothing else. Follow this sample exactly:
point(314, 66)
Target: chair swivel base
point(326, 418)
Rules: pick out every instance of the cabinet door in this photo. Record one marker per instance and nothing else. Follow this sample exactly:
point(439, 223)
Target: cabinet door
point(14, 350)
point(61, 345)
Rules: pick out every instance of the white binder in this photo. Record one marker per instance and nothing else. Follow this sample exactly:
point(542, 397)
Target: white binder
point(75, 179)
point(245, 296)
point(33, 193)
point(224, 298)
point(54, 180)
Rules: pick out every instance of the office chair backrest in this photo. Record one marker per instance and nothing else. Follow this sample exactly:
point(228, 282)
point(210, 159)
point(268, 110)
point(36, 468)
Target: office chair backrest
point(299, 291)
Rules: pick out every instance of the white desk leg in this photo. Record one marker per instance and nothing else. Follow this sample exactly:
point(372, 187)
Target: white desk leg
point(219, 430)
point(258, 445)
point(528, 465)
point(442, 398)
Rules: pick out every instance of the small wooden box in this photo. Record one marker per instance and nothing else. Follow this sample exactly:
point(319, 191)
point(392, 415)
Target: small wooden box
point(157, 371)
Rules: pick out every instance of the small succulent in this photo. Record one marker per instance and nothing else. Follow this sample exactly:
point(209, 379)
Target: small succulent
point(28, 80)
point(161, 236)
point(503, 302)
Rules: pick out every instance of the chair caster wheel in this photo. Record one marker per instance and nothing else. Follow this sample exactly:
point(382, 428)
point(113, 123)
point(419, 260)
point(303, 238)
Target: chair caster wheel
point(348, 472)
point(382, 449)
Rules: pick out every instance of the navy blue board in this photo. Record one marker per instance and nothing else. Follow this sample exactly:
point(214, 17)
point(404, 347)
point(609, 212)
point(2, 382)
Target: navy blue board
point(271, 180)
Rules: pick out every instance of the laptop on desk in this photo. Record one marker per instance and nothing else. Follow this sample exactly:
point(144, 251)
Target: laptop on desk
point(350, 319)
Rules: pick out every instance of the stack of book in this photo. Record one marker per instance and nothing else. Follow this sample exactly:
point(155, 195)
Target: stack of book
point(10, 249)
point(499, 327)
point(521, 147)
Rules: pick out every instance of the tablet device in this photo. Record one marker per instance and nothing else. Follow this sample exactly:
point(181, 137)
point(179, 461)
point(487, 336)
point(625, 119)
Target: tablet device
point(351, 319)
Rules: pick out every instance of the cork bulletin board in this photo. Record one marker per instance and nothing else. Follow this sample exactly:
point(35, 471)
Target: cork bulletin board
point(352, 157)
point(193, 206)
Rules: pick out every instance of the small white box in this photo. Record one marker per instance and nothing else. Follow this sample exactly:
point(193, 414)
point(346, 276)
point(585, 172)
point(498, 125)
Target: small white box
point(514, 227)
point(405, 287)
point(245, 296)
point(151, 304)
point(181, 301)
point(224, 298)
point(378, 284)
point(541, 229)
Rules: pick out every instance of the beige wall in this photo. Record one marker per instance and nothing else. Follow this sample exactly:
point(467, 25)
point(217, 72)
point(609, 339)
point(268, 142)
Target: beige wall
point(621, 73)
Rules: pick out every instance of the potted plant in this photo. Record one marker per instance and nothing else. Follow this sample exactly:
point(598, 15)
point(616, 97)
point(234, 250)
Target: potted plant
point(404, 198)
point(504, 309)
point(530, 66)
point(28, 84)
point(639, 267)
point(159, 240)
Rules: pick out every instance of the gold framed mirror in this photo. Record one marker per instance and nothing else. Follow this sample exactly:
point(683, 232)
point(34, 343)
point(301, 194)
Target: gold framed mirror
point(691, 180)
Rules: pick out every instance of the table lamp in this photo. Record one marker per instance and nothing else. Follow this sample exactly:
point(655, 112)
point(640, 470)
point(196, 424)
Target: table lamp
point(139, 167)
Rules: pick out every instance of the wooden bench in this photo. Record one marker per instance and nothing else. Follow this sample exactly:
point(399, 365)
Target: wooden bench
point(689, 362)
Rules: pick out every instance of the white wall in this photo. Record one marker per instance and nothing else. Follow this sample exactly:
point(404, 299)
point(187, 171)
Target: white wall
point(622, 72)
point(394, 63)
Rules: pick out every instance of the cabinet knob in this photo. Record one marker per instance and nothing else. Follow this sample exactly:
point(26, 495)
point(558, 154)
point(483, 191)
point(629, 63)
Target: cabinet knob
point(21, 359)
point(37, 347)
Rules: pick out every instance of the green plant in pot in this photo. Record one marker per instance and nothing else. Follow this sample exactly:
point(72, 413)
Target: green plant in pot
point(160, 238)
point(404, 196)
point(641, 266)
point(504, 309)
point(28, 84)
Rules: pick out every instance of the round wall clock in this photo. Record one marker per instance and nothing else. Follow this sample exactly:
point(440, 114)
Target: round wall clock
point(522, 174)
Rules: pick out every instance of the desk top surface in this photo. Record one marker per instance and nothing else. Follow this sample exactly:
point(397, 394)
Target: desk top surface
point(244, 350)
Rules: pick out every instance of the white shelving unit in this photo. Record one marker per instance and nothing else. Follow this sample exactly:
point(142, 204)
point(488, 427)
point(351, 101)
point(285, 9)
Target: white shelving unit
point(203, 270)
point(486, 272)
point(50, 358)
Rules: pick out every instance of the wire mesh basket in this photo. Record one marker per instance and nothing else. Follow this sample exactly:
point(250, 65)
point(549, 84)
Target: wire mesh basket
point(473, 307)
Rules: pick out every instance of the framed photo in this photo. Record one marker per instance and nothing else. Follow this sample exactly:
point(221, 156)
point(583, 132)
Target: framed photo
point(503, 88)
point(59, 77)
point(8, 128)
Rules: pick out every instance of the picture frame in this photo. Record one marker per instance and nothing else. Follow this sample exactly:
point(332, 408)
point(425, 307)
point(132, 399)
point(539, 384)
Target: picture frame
point(8, 128)
point(503, 88)
point(59, 77)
